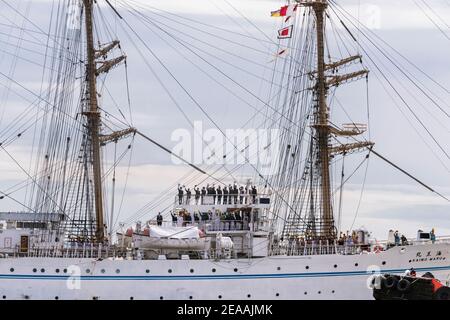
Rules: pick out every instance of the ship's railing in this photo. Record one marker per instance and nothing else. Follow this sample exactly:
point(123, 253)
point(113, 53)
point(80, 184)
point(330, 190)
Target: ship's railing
point(214, 224)
point(320, 248)
point(294, 248)
point(68, 250)
point(445, 239)
point(413, 241)
point(99, 251)
point(223, 224)
point(230, 199)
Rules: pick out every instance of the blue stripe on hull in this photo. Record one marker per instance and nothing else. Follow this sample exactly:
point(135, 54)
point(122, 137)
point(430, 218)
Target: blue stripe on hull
point(217, 277)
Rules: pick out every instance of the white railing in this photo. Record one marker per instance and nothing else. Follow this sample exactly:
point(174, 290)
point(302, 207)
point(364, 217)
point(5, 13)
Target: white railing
point(294, 248)
point(316, 249)
point(208, 200)
point(94, 251)
point(414, 241)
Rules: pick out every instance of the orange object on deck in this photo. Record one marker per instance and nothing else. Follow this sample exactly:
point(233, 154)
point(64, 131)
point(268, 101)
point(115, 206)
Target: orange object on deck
point(436, 284)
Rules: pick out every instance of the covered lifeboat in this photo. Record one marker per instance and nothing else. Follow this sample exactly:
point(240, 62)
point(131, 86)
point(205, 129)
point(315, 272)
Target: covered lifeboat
point(180, 238)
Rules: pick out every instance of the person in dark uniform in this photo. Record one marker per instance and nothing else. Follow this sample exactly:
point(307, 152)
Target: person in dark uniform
point(196, 217)
point(174, 219)
point(219, 195)
point(203, 194)
point(238, 219)
point(254, 194)
point(197, 195)
point(246, 195)
point(188, 196)
point(188, 219)
point(241, 192)
point(208, 192)
point(235, 193)
point(404, 240)
point(159, 219)
point(225, 195)
point(180, 194)
point(213, 192)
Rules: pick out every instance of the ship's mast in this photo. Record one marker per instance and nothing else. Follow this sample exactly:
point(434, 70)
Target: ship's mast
point(93, 115)
point(321, 125)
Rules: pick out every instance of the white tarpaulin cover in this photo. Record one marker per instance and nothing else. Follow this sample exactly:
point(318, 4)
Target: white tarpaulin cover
point(174, 232)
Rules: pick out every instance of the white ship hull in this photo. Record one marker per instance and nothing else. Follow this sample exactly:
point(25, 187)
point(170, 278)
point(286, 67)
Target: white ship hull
point(277, 277)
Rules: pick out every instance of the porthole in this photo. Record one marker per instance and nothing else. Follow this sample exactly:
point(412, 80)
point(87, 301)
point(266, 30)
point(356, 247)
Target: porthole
point(94, 298)
point(4, 297)
point(235, 269)
point(65, 270)
point(147, 271)
point(409, 261)
point(88, 271)
point(383, 263)
point(34, 270)
point(319, 292)
point(56, 298)
point(170, 271)
point(335, 266)
point(307, 267)
point(191, 271)
point(42, 270)
point(57, 270)
point(249, 296)
point(213, 270)
point(117, 270)
point(306, 293)
point(277, 294)
point(333, 291)
point(131, 298)
point(220, 297)
point(161, 298)
point(356, 264)
point(279, 268)
point(103, 271)
point(12, 269)
point(190, 297)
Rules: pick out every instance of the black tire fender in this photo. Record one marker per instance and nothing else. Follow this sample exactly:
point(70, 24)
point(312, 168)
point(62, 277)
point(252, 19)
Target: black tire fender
point(389, 282)
point(403, 285)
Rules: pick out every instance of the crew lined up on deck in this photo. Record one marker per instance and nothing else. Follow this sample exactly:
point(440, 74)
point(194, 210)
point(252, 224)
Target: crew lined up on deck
point(231, 194)
point(216, 220)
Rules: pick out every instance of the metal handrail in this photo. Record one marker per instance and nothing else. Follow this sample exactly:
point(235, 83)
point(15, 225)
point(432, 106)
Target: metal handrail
point(232, 199)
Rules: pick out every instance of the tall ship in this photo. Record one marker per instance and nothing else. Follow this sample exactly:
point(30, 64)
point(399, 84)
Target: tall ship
point(269, 236)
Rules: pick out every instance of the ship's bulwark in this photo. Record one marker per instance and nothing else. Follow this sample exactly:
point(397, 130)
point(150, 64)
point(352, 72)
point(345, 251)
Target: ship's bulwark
point(282, 277)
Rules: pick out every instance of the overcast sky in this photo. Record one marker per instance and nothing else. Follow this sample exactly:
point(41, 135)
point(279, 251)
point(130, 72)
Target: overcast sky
point(390, 200)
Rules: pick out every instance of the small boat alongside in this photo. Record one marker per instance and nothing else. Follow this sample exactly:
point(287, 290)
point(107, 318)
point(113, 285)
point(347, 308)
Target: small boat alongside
point(409, 287)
